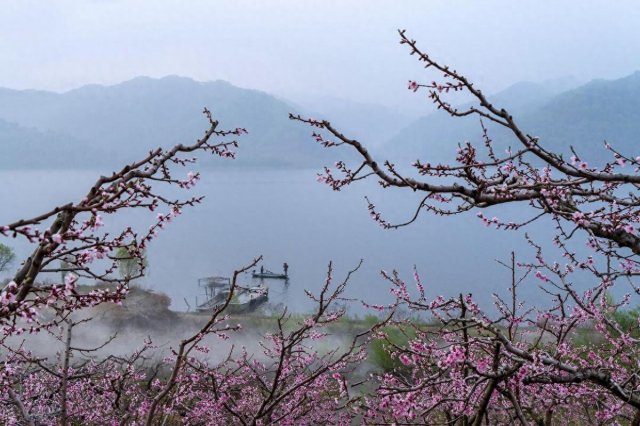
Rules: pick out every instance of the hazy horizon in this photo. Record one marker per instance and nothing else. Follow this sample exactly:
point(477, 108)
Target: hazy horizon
point(303, 51)
point(293, 100)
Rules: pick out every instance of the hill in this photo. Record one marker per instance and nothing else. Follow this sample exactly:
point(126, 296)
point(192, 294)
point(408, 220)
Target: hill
point(582, 117)
point(117, 124)
point(371, 123)
point(587, 116)
point(22, 147)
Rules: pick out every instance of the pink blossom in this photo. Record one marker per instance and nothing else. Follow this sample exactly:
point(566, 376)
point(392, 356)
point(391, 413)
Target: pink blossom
point(541, 276)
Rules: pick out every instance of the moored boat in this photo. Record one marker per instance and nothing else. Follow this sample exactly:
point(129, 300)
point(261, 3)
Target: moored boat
point(245, 299)
point(248, 299)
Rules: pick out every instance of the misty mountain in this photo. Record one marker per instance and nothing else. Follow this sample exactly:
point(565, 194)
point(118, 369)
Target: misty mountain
point(28, 147)
point(371, 124)
point(587, 116)
point(582, 117)
point(434, 137)
point(111, 125)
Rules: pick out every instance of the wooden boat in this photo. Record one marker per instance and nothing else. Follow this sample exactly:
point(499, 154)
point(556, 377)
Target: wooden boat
point(265, 273)
point(248, 299)
point(244, 299)
point(216, 290)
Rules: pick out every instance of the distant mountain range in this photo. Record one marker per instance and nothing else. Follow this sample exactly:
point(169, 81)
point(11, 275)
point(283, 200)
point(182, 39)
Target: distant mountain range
point(111, 125)
point(582, 117)
point(107, 126)
point(587, 116)
point(368, 123)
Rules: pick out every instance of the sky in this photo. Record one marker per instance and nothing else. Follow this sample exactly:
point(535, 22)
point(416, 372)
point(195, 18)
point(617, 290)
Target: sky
point(310, 49)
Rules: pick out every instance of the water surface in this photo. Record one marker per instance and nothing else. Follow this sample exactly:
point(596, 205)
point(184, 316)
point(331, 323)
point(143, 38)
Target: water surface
point(286, 216)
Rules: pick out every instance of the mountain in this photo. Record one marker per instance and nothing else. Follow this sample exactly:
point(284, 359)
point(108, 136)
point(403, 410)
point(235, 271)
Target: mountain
point(435, 136)
point(107, 126)
point(587, 116)
point(118, 124)
point(27, 147)
point(369, 123)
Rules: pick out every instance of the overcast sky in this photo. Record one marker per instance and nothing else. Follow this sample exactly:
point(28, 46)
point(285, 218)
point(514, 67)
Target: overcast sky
point(298, 49)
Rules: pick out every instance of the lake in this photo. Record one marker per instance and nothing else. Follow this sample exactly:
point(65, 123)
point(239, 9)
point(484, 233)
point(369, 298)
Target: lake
point(286, 216)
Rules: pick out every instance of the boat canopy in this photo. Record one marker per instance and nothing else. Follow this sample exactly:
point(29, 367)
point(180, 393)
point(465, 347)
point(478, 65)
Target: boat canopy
point(214, 282)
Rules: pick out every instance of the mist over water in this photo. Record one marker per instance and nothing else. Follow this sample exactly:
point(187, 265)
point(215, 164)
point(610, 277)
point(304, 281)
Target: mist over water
point(286, 216)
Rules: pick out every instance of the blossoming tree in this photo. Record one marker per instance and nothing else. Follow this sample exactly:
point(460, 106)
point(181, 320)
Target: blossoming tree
point(514, 363)
point(523, 364)
point(291, 381)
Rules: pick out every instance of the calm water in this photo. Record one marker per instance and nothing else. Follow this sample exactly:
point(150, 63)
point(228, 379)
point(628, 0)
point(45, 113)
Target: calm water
point(288, 216)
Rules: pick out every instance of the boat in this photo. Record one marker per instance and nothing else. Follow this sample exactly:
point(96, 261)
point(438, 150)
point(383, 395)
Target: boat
point(217, 291)
point(265, 273)
point(248, 299)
